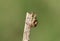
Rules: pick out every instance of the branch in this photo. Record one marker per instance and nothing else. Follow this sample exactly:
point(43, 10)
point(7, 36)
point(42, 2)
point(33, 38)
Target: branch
point(29, 23)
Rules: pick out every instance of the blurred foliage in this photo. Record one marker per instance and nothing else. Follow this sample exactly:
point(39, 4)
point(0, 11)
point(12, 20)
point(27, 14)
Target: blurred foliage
point(12, 19)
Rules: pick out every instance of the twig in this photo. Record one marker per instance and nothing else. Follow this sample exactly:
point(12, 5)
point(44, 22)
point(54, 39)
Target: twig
point(29, 23)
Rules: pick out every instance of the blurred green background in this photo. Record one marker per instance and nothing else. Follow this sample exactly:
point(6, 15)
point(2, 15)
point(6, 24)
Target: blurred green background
point(12, 17)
